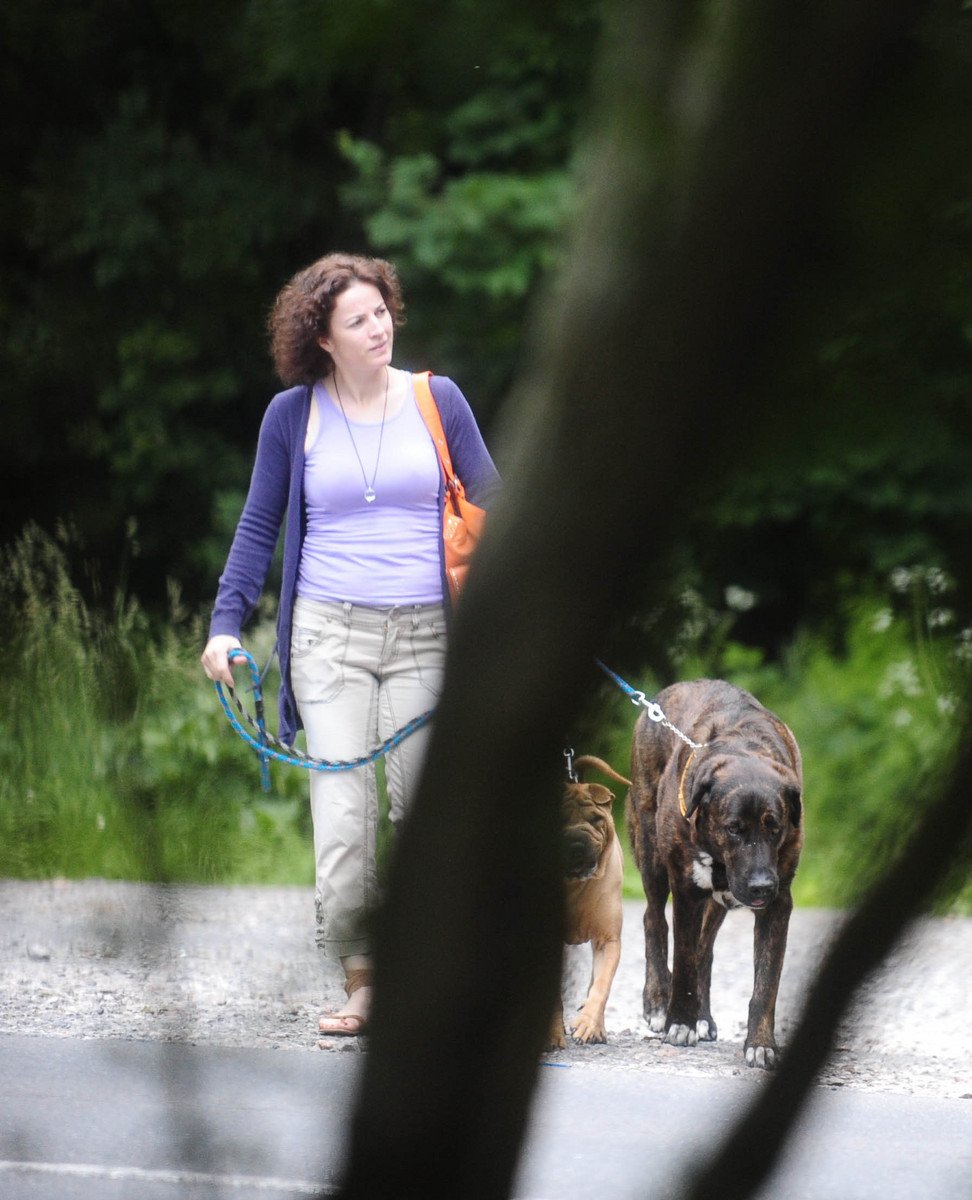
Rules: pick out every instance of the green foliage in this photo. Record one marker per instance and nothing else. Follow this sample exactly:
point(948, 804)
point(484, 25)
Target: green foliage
point(177, 165)
point(471, 199)
point(487, 235)
point(115, 759)
point(877, 718)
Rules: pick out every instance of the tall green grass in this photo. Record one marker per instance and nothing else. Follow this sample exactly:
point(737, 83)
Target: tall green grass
point(116, 760)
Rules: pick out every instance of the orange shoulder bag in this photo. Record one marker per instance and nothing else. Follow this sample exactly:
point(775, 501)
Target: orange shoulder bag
point(462, 522)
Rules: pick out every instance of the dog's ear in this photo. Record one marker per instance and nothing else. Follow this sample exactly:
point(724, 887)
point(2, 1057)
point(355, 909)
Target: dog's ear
point(602, 796)
point(793, 800)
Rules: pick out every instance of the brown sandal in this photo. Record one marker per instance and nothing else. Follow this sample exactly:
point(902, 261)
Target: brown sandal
point(337, 1024)
point(343, 1025)
point(358, 978)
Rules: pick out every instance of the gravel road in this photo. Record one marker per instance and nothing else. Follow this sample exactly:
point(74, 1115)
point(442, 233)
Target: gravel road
point(237, 967)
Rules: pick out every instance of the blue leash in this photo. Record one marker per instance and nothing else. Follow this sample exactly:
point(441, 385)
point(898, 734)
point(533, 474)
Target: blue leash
point(268, 747)
point(653, 710)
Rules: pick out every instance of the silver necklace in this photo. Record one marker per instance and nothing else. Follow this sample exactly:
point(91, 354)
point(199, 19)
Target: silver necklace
point(369, 492)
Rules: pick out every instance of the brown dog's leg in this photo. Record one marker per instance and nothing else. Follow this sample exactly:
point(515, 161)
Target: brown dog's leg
point(712, 920)
point(588, 1025)
point(658, 978)
point(557, 1039)
point(654, 878)
point(683, 1009)
point(769, 947)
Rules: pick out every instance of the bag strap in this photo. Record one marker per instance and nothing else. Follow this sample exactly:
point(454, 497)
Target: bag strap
point(430, 415)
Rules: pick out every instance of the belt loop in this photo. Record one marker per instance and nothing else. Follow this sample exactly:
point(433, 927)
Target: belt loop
point(416, 609)
point(346, 606)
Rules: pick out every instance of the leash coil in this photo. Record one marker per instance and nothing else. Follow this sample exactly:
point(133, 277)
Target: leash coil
point(268, 747)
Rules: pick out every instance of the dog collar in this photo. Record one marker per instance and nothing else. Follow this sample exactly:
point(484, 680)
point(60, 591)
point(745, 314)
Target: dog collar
point(681, 782)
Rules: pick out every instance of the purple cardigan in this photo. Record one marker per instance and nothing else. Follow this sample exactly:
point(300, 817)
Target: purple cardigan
point(276, 497)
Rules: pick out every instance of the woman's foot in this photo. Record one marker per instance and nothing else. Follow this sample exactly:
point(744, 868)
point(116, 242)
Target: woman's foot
point(352, 1020)
point(342, 1025)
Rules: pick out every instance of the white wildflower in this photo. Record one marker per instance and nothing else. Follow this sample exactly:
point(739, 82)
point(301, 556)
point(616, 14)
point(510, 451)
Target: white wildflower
point(901, 579)
point(739, 599)
point(900, 679)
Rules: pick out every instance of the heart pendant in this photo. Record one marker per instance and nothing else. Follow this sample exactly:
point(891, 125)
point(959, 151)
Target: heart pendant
point(370, 495)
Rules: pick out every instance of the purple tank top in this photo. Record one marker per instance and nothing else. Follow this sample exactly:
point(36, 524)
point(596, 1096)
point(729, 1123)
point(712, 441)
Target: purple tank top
point(379, 553)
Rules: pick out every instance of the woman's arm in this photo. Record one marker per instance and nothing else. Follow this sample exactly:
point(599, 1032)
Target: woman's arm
point(470, 458)
point(253, 544)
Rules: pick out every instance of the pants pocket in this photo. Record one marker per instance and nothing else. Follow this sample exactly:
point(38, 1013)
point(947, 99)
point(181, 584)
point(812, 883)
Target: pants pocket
point(428, 647)
point(317, 655)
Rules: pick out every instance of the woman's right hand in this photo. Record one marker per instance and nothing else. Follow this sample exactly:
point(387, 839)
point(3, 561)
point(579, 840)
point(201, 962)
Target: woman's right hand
point(215, 658)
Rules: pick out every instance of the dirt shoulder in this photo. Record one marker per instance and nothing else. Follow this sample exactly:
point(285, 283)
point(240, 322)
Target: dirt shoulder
point(238, 967)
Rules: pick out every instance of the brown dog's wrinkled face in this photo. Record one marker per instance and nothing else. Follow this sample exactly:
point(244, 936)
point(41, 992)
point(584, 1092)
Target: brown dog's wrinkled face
point(588, 827)
point(747, 820)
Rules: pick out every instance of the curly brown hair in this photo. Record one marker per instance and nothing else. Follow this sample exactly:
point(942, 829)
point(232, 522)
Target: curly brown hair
point(301, 313)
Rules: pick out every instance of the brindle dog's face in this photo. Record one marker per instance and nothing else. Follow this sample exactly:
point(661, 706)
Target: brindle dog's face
point(747, 812)
point(588, 827)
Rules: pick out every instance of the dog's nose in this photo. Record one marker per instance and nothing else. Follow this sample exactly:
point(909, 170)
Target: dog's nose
point(761, 888)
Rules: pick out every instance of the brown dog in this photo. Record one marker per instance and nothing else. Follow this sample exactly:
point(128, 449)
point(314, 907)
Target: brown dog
point(719, 827)
point(594, 880)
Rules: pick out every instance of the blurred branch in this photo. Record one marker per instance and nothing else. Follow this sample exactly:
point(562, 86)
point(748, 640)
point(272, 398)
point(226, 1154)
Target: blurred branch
point(718, 134)
point(941, 841)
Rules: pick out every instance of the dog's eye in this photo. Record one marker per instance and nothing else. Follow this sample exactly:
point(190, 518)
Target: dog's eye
point(734, 829)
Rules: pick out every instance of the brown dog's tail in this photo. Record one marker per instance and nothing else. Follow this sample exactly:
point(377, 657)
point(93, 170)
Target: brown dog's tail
point(589, 760)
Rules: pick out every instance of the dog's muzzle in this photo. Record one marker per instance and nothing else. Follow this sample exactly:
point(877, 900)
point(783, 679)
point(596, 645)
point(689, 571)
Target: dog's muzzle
point(758, 890)
point(581, 854)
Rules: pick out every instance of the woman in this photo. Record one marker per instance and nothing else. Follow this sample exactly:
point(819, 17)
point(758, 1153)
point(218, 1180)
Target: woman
point(346, 464)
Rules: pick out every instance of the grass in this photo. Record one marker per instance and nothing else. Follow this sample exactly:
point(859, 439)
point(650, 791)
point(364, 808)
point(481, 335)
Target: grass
point(116, 760)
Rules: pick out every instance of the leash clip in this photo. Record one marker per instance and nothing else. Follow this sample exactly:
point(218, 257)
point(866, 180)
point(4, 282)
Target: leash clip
point(653, 710)
point(569, 758)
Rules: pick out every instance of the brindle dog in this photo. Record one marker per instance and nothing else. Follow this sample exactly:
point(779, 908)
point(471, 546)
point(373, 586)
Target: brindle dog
point(594, 909)
point(718, 827)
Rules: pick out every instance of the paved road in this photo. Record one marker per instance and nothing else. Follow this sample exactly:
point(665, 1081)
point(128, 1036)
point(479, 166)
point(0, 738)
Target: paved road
point(109, 1120)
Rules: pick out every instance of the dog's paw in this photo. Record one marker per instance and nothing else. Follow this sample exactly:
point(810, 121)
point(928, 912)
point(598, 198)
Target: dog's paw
point(762, 1056)
point(584, 1029)
point(656, 1020)
point(681, 1035)
point(556, 1038)
point(707, 1030)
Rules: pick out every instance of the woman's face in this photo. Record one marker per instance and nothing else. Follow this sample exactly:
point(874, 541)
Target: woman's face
point(361, 330)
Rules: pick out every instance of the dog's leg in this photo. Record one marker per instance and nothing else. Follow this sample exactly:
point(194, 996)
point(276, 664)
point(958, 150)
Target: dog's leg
point(712, 920)
point(681, 1024)
point(658, 978)
point(556, 1039)
point(588, 1025)
point(769, 948)
point(654, 879)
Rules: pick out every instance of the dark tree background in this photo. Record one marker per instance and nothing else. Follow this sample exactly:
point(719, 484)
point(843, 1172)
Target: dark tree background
point(166, 166)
